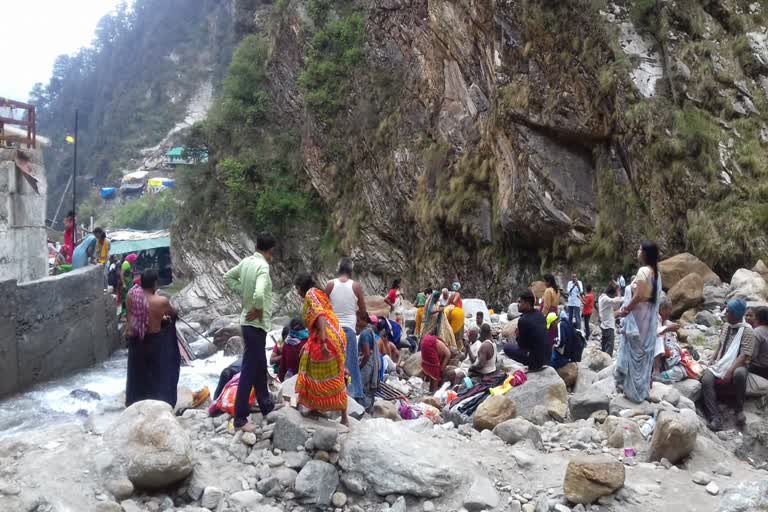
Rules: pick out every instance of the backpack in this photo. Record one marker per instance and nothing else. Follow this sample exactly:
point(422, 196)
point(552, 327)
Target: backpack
point(571, 342)
point(112, 277)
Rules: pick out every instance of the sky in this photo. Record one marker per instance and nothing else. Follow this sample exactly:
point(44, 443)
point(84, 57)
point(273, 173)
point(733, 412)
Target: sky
point(41, 31)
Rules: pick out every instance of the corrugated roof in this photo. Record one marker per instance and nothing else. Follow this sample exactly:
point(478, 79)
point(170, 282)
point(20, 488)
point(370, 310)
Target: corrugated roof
point(129, 246)
point(177, 151)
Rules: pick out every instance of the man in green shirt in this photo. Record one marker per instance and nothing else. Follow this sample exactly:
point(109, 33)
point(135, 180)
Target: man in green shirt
point(250, 278)
point(421, 297)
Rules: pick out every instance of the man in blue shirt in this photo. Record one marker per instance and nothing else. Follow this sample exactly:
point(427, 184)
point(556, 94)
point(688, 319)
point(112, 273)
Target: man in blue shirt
point(575, 292)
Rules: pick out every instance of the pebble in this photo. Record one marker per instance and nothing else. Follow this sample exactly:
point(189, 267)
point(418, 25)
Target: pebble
point(212, 496)
point(666, 463)
point(249, 438)
point(339, 499)
point(713, 489)
point(429, 506)
point(515, 506)
point(722, 469)
point(529, 507)
point(562, 508)
point(701, 478)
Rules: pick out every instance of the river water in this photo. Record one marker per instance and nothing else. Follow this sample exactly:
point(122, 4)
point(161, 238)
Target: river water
point(50, 403)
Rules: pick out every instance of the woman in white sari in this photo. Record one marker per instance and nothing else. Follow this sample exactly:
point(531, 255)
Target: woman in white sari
point(640, 311)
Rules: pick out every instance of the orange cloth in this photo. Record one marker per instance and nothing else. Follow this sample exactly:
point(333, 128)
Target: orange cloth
point(321, 384)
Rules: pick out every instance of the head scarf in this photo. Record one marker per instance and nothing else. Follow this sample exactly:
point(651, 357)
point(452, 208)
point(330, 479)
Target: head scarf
point(456, 286)
point(373, 319)
point(131, 258)
point(737, 307)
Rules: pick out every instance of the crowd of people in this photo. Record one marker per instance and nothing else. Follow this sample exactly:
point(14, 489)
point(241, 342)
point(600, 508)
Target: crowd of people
point(337, 350)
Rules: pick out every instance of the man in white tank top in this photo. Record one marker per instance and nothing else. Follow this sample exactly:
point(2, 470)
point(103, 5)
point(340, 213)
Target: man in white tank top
point(348, 303)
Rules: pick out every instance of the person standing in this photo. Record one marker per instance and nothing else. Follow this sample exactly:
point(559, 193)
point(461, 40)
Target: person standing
point(550, 303)
point(370, 363)
point(154, 360)
point(634, 362)
point(102, 246)
point(607, 305)
point(533, 348)
point(348, 301)
point(395, 299)
point(126, 281)
point(421, 301)
point(321, 383)
point(251, 279)
point(85, 251)
point(575, 292)
point(589, 307)
point(69, 236)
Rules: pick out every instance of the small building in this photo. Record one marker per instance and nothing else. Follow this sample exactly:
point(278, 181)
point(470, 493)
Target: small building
point(176, 156)
point(134, 183)
point(155, 185)
point(153, 249)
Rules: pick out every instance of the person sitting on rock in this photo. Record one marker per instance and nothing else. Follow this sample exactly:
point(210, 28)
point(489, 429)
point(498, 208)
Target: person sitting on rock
point(533, 348)
point(435, 356)
point(729, 364)
point(293, 344)
point(670, 365)
point(480, 354)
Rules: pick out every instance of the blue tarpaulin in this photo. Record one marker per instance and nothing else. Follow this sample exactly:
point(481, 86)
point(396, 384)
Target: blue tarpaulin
point(108, 192)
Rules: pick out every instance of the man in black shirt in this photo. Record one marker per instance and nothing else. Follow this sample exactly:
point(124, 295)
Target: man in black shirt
point(533, 348)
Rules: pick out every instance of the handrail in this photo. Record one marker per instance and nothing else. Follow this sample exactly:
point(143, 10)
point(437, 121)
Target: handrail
point(30, 123)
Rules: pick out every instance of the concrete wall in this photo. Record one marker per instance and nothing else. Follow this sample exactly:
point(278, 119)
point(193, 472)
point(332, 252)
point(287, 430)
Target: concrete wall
point(23, 247)
point(54, 326)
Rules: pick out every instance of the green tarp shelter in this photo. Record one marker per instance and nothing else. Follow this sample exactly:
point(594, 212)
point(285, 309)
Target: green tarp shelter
point(129, 246)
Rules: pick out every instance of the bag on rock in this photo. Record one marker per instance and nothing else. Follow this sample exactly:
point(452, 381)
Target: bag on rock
point(692, 368)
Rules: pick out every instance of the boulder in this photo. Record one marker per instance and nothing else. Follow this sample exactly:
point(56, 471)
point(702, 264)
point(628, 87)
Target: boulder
point(749, 286)
point(325, 439)
point(664, 392)
point(385, 409)
point(705, 318)
point(414, 464)
point(316, 482)
point(509, 329)
point(151, 443)
point(570, 374)
point(375, 305)
point(494, 410)
point(545, 388)
point(674, 436)
point(412, 366)
point(761, 268)
point(677, 267)
point(289, 431)
point(689, 388)
point(614, 427)
point(247, 499)
point(482, 495)
point(518, 429)
point(745, 497)
point(596, 398)
point(714, 295)
point(234, 346)
point(687, 293)
point(621, 403)
point(584, 380)
point(596, 360)
point(221, 322)
point(223, 335)
point(589, 477)
point(202, 349)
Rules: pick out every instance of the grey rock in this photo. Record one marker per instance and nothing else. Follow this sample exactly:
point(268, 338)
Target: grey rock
point(415, 464)
point(268, 485)
point(202, 349)
point(296, 460)
point(120, 488)
point(156, 449)
point(596, 398)
point(286, 477)
point(428, 506)
point(289, 430)
point(722, 469)
point(542, 504)
point(325, 439)
point(248, 499)
point(212, 496)
point(745, 497)
point(543, 388)
point(131, 506)
point(108, 506)
point(481, 495)
point(519, 429)
point(234, 346)
point(317, 482)
point(674, 436)
point(705, 318)
point(339, 499)
point(354, 483)
point(398, 505)
point(701, 478)
point(713, 489)
point(584, 380)
point(689, 388)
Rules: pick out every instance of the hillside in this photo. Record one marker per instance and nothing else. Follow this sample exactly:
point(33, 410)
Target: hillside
point(149, 69)
point(483, 141)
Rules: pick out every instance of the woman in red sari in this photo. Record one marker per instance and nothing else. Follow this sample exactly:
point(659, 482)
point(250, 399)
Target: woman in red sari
point(321, 384)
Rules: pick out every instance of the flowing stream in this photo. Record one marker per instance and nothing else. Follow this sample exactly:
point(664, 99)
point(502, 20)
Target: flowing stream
point(51, 403)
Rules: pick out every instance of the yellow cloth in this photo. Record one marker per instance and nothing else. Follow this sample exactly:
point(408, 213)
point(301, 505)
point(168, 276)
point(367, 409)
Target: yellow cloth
point(102, 251)
point(445, 333)
point(455, 316)
point(419, 320)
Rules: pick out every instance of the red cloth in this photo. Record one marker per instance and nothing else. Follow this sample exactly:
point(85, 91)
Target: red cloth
point(138, 313)
point(290, 360)
point(69, 243)
point(430, 357)
point(391, 297)
point(589, 303)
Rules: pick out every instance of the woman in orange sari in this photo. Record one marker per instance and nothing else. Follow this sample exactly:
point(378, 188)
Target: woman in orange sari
point(321, 384)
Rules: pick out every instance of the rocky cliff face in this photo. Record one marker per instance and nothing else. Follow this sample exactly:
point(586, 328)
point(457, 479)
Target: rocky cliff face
point(484, 140)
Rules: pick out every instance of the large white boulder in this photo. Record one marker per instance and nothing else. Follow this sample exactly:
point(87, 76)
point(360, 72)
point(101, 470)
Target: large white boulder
point(749, 286)
point(397, 460)
point(149, 441)
point(544, 388)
